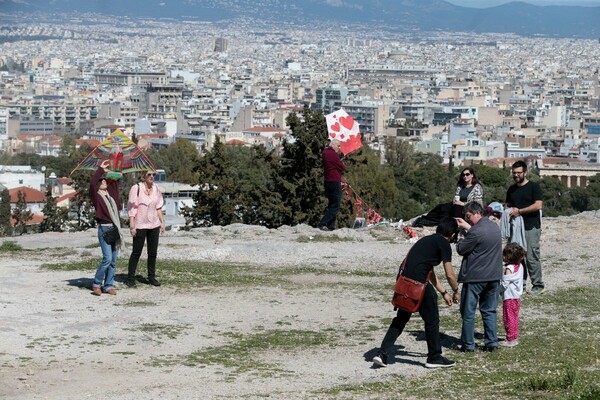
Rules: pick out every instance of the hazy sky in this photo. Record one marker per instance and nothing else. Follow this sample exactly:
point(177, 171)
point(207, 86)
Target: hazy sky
point(491, 3)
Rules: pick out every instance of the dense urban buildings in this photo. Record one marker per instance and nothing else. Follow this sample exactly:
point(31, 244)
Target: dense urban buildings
point(467, 97)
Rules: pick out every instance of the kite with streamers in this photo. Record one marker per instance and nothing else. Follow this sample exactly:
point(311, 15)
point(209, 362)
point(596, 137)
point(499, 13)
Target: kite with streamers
point(342, 127)
point(371, 216)
point(124, 156)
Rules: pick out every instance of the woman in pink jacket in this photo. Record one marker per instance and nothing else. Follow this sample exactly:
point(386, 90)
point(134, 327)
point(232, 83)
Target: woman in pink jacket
point(146, 222)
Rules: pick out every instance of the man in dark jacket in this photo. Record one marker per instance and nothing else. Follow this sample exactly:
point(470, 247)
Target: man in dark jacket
point(333, 168)
point(480, 274)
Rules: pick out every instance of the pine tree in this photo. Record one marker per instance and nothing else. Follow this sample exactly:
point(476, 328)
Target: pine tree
point(5, 226)
point(54, 216)
point(21, 213)
point(81, 204)
point(215, 201)
point(301, 184)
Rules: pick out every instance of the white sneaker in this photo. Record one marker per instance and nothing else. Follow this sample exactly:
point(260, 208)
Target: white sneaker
point(509, 343)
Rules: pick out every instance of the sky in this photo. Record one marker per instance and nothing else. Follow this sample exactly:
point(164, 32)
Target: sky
point(491, 3)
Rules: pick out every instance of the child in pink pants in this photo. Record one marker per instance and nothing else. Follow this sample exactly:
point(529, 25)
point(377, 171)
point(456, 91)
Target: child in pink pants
point(512, 289)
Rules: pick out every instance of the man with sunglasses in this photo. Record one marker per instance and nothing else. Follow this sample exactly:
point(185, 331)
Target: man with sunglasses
point(526, 200)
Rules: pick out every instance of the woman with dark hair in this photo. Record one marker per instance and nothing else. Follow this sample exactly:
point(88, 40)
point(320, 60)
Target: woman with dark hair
point(104, 194)
point(468, 189)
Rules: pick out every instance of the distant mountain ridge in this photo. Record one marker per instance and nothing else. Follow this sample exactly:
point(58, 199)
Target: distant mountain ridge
point(426, 15)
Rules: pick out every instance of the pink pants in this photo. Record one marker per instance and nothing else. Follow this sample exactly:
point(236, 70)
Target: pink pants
point(510, 311)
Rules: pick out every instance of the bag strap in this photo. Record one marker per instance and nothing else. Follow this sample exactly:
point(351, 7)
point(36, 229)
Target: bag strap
point(401, 270)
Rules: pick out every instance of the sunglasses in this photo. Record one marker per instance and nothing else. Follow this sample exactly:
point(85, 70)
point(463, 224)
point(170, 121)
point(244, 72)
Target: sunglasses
point(150, 174)
point(467, 174)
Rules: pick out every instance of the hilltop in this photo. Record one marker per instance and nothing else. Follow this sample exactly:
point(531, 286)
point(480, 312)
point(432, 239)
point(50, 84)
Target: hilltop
point(245, 312)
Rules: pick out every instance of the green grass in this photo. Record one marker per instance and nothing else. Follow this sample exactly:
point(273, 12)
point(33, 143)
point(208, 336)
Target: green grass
point(557, 358)
point(10, 246)
point(186, 274)
point(242, 355)
point(324, 238)
point(160, 331)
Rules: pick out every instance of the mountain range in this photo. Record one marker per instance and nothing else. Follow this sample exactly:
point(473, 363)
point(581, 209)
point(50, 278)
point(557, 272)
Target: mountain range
point(422, 15)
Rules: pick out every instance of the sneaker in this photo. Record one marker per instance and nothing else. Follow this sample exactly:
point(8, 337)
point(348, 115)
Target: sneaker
point(536, 291)
point(130, 283)
point(96, 291)
point(324, 228)
point(464, 349)
point(111, 291)
point(380, 359)
point(509, 343)
point(441, 362)
point(153, 282)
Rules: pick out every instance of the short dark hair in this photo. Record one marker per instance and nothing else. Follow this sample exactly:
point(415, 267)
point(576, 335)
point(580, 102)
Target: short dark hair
point(447, 227)
point(474, 208)
point(521, 164)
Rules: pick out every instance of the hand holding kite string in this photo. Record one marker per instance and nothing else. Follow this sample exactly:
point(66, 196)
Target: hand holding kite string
point(122, 154)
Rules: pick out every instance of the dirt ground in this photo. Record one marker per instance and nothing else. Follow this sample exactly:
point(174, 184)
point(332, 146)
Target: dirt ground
point(57, 341)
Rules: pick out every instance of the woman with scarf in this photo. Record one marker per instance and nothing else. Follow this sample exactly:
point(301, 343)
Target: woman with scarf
point(104, 194)
point(468, 189)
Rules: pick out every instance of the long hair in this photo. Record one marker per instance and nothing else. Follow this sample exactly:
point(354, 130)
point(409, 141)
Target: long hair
point(513, 253)
point(461, 181)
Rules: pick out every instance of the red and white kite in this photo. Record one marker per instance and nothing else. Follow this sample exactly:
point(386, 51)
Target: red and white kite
point(344, 128)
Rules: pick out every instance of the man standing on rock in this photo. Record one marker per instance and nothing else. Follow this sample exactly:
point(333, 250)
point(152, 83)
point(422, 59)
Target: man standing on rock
point(480, 274)
point(333, 168)
point(526, 199)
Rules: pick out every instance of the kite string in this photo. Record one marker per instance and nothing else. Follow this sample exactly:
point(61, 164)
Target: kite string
point(372, 216)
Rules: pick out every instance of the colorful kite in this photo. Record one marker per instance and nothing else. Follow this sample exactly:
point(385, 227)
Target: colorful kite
point(344, 128)
point(124, 155)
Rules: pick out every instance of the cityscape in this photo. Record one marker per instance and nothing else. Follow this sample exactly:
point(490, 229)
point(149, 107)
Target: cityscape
point(227, 246)
point(468, 97)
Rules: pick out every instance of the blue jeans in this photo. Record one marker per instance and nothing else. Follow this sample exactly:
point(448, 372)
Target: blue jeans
point(333, 191)
point(106, 270)
point(486, 295)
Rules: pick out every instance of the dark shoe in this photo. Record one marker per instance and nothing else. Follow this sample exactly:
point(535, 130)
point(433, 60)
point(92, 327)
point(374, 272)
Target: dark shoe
point(441, 362)
point(96, 291)
point(153, 282)
point(489, 349)
point(111, 291)
point(463, 349)
point(380, 359)
point(130, 282)
point(324, 228)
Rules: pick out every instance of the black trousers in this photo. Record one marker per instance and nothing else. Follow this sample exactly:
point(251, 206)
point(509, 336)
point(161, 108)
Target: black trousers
point(430, 314)
point(333, 191)
point(142, 235)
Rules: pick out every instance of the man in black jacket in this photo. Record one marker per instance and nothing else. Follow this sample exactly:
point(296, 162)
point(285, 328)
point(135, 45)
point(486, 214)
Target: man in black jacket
point(480, 274)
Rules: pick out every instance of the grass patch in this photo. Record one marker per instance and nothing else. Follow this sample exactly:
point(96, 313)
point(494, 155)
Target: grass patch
point(323, 238)
point(557, 358)
point(161, 330)
point(10, 246)
point(243, 354)
point(137, 303)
